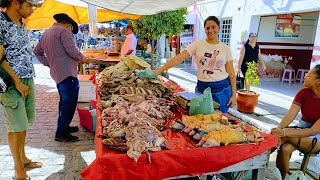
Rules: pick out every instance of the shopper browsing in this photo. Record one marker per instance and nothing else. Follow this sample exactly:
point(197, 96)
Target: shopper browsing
point(250, 52)
point(57, 50)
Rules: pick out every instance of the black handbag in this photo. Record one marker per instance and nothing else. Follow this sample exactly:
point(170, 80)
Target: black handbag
point(239, 82)
point(5, 78)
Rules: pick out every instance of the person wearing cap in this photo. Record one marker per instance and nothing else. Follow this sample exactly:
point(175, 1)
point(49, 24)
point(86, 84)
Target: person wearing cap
point(130, 44)
point(18, 101)
point(56, 49)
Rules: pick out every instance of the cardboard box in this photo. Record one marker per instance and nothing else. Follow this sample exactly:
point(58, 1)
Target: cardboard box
point(87, 89)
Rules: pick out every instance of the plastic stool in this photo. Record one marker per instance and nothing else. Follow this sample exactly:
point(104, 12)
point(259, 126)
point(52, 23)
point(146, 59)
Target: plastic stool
point(291, 75)
point(300, 75)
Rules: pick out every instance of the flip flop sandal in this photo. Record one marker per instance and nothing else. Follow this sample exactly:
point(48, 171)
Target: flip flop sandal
point(33, 164)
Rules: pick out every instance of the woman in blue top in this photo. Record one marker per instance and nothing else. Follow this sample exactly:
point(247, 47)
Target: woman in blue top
point(215, 65)
point(250, 52)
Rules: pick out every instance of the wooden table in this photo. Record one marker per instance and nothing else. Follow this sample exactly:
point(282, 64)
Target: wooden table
point(257, 163)
point(109, 61)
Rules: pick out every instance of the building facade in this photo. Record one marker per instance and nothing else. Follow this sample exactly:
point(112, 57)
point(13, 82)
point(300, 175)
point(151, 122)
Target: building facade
point(288, 30)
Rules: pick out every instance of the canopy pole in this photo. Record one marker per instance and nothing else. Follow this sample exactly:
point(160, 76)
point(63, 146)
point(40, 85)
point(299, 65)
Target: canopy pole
point(92, 15)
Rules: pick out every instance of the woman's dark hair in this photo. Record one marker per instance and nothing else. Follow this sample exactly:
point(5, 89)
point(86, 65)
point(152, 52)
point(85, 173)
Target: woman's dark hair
point(6, 3)
point(249, 37)
point(318, 70)
point(212, 18)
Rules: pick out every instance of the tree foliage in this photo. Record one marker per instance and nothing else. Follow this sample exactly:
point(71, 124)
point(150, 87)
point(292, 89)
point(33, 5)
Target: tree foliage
point(153, 26)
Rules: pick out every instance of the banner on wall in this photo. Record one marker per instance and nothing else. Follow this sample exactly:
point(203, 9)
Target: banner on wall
point(186, 38)
point(288, 26)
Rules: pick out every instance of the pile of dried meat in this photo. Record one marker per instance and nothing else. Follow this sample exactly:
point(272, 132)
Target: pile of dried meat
point(134, 109)
point(134, 124)
point(121, 79)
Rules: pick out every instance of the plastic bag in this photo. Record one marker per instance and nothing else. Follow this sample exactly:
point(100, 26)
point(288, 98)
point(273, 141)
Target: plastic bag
point(147, 73)
point(202, 104)
point(239, 83)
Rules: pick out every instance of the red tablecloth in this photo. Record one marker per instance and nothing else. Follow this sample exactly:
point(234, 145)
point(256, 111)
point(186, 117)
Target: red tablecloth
point(183, 158)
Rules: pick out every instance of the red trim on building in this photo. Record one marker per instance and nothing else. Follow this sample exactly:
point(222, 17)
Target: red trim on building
point(315, 58)
point(309, 12)
point(301, 59)
point(316, 48)
point(283, 44)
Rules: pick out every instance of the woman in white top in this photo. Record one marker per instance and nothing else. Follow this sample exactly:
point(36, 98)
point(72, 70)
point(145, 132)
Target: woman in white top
point(214, 63)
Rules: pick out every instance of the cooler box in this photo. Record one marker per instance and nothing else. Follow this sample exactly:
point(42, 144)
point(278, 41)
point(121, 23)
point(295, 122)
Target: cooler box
point(87, 89)
point(87, 118)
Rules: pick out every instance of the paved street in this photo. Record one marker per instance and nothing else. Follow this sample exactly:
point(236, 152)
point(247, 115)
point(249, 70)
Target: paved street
point(60, 160)
point(67, 160)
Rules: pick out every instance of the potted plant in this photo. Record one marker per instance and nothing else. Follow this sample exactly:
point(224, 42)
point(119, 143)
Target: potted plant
point(247, 100)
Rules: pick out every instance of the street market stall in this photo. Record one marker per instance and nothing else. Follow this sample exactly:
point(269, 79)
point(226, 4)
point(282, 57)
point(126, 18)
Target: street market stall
point(98, 57)
point(183, 159)
point(76, 9)
point(182, 156)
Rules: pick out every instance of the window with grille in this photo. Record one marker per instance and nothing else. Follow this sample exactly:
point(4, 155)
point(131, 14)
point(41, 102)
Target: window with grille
point(225, 31)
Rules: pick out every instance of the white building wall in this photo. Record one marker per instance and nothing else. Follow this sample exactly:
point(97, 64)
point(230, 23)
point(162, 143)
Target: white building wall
point(306, 35)
point(316, 49)
point(246, 15)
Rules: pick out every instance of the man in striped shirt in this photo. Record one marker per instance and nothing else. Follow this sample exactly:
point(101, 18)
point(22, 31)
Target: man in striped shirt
point(56, 49)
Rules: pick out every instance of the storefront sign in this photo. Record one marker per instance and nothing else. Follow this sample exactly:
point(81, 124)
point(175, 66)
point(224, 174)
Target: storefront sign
point(288, 26)
point(186, 38)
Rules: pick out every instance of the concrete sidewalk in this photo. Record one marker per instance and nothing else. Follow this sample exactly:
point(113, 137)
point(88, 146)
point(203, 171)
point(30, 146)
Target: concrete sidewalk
point(67, 160)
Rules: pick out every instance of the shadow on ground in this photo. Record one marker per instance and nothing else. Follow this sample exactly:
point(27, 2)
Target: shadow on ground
point(60, 160)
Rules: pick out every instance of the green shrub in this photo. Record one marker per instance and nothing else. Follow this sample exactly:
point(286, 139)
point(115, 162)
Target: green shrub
point(251, 77)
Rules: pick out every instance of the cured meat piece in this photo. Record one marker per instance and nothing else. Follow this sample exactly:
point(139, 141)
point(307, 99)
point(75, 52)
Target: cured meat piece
point(228, 136)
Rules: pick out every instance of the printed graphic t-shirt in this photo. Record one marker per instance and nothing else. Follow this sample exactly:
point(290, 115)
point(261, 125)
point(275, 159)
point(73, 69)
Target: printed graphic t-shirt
point(211, 60)
point(17, 48)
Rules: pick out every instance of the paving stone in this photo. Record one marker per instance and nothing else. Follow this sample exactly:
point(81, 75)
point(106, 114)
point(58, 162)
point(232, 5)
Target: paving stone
point(57, 157)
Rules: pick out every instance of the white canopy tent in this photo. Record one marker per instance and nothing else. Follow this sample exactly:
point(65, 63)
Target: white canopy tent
point(141, 7)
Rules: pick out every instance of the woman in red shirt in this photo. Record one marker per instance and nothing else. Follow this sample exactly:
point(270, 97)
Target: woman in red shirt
point(305, 138)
